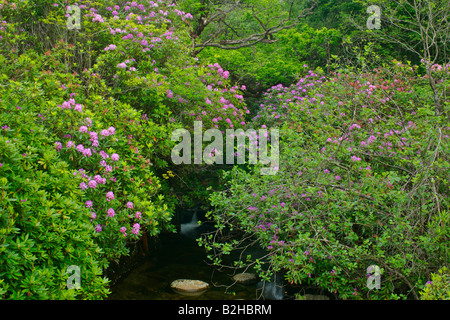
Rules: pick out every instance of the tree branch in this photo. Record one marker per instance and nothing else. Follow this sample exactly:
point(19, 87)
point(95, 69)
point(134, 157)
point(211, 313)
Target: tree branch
point(265, 36)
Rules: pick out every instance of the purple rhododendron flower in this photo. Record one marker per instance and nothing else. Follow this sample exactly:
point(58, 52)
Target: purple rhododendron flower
point(98, 178)
point(87, 152)
point(78, 107)
point(136, 227)
point(80, 148)
point(109, 196)
point(92, 184)
point(111, 212)
point(103, 154)
point(58, 146)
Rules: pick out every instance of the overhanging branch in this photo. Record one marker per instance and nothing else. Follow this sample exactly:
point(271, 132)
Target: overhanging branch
point(265, 36)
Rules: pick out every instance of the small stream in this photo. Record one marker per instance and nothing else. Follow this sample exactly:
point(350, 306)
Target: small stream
point(178, 256)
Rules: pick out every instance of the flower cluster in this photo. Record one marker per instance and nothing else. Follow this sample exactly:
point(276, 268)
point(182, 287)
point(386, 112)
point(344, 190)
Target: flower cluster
point(98, 187)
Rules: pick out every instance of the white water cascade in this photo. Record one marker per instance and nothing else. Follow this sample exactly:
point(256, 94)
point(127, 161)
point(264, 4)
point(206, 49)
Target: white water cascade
point(189, 229)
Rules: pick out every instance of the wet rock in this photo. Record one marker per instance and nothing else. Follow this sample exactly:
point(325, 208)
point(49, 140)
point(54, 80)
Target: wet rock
point(245, 278)
point(189, 287)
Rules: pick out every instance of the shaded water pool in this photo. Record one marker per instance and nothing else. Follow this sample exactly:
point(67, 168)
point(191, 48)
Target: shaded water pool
point(177, 257)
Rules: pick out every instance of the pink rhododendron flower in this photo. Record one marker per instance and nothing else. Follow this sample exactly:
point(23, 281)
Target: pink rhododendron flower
point(92, 184)
point(87, 152)
point(136, 227)
point(80, 148)
point(103, 154)
point(109, 196)
point(111, 212)
point(58, 146)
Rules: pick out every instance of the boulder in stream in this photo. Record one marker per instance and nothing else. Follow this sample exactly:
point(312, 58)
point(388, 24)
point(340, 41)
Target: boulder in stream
point(189, 287)
point(245, 278)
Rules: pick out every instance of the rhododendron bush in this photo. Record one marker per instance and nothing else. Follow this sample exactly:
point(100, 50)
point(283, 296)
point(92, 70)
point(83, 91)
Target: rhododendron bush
point(363, 180)
point(106, 96)
point(88, 106)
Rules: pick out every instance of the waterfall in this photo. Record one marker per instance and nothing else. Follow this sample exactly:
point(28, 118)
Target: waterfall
point(273, 289)
point(189, 228)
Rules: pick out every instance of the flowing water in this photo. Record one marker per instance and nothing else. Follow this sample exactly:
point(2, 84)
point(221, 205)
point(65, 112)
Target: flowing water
point(178, 257)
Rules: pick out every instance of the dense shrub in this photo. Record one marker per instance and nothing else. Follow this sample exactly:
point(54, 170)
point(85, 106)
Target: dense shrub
point(363, 181)
point(439, 286)
point(87, 117)
point(45, 227)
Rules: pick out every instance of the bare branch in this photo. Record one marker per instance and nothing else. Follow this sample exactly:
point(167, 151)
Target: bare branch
point(266, 35)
